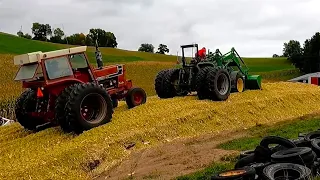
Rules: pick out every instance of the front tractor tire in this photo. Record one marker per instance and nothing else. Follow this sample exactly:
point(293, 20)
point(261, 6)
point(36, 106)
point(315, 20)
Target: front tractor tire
point(238, 82)
point(218, 84)
point(25, 105)
point(136, 97)
point(88, 106)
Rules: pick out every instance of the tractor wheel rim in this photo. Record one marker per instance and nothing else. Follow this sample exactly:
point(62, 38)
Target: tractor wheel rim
point(223, 84)
point(137, 98)
point(93, 108)
point(240, 85)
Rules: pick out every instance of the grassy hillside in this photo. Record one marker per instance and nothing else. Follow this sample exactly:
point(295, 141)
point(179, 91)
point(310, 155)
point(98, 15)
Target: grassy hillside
point(10, 44)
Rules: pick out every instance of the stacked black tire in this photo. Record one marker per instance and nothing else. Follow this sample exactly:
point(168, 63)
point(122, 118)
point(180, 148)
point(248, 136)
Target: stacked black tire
point(212, 83)
point(289, 159)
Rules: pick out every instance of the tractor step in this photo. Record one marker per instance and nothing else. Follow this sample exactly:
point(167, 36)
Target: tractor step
point(44, 126)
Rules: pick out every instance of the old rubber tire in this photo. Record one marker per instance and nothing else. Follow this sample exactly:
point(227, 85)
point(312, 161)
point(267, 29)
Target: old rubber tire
point(310, 136)
point(315, 143)
point(245, 173)
point(259, 168)
point(269, 140)
point(24, 104)
point(262, 154)
point(295, 171)
point(218, 84)
point(237, 82)
point(300, 142)
point(246, 153)
point(298, 155)
point(135, 97)
point(89, 106)
point(159, 83)
point(60, 105)
point(202, 91)
point(245, 161)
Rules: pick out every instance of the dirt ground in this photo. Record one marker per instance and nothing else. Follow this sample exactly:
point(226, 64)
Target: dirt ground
point(172, 159)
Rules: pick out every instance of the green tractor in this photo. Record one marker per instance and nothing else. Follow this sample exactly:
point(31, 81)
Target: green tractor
point(214, 77)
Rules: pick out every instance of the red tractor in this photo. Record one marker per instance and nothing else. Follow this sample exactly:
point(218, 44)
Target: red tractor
point(64, 89)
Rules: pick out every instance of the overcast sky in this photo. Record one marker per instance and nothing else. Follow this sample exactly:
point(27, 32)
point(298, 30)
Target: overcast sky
point(253, 27)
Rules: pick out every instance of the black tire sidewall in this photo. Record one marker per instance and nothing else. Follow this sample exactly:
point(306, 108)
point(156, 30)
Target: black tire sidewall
point(130, 97)
point(212, 81)
point(270, 171)
point(74, 105)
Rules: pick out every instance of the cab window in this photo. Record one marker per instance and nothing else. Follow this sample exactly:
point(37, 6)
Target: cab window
point(58, 67)
point(78, 61)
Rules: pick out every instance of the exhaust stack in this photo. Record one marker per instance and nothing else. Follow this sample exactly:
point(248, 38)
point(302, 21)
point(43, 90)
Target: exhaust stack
point(98, 56)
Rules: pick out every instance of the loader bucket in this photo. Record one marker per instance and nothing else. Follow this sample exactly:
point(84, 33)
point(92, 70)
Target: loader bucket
point(253, 82)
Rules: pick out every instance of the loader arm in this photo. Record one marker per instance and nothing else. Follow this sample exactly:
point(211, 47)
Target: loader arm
point(232, 58)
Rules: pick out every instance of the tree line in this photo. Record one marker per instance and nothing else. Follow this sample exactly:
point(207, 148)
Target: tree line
point(306, 58)
point(44, 32)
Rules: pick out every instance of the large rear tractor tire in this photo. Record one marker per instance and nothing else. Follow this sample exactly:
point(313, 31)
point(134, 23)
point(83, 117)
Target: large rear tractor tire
point(218, 83)
point(26, 104)
point(165, 83)
point(158, 83)
point(136, 97)
point(201, 88)
point(60, 105)
point(88, 106)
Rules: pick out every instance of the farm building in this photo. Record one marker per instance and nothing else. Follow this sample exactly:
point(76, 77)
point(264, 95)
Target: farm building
point(312, 78)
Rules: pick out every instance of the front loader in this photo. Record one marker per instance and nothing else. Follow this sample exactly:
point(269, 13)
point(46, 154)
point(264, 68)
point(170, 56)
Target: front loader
point(237, 68)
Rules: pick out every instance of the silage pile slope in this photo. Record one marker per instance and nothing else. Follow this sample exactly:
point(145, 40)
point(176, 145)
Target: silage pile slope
point(50, 154)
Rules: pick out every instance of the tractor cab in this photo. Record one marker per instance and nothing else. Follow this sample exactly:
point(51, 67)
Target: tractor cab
point(190, 61)
point(54, 67)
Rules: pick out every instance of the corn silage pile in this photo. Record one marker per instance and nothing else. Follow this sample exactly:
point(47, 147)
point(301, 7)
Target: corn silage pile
point(51, 154)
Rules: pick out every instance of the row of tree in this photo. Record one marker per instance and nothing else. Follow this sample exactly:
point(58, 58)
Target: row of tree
point(44, 32)
point(306, 58)
point(145, 47)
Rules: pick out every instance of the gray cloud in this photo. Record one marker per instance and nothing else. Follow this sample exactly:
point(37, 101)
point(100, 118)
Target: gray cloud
point(254, 28)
